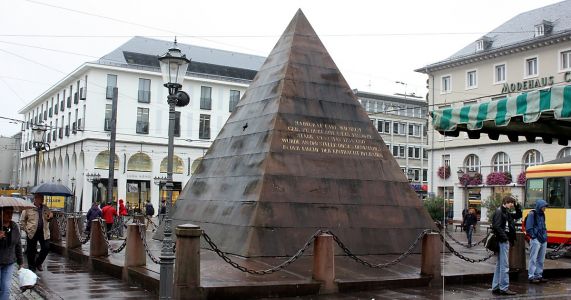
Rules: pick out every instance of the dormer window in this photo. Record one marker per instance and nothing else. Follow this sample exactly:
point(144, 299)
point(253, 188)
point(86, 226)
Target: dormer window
point(483, 44)
point(543, 28)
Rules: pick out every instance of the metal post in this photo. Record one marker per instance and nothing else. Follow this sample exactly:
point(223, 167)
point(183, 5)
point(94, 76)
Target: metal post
point(111, 177)
point(36, 169)
point(167, 255)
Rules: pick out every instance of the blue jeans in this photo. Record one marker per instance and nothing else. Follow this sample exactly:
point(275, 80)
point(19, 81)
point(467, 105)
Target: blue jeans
point(501, 275)
point(536, 259)
point(469, 233)
point(5, 280)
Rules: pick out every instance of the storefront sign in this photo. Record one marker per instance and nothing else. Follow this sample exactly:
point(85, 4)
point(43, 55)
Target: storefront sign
point(533, 83)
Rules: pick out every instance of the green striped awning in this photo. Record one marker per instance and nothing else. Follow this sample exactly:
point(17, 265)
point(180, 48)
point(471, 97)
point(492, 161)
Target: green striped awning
point(541, 113)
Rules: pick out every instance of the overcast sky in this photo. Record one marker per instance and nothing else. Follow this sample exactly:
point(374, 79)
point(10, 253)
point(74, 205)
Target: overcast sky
point(374, 43)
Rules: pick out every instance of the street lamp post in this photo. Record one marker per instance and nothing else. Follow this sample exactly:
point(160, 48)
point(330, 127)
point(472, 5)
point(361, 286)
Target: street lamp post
point(93, 178)
point(38, 133)
point(173, 68)
point(72, 180)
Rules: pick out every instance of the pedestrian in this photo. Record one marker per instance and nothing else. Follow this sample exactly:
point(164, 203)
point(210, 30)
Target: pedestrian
point(469, 225)
point(162, 210)
point(149, 212)
point(35, 222)
point(108, 213)
point(503, 226)
point(10, 251)
point(122, 208)
point(93, 213)
point(537, 231)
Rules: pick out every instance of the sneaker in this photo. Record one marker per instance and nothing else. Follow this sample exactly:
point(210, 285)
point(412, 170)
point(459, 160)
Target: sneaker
point(534, 280)
point(508, 292)
point(496, 291)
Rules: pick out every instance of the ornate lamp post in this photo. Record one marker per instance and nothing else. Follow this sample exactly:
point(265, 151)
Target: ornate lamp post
point(173, 68)
point(93, 178)
point(38, 134)
point(72, 180)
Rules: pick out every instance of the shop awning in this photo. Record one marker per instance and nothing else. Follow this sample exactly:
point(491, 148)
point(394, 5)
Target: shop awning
point(541, 113)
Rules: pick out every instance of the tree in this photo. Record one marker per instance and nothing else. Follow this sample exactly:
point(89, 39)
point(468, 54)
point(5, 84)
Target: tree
point(435, 207)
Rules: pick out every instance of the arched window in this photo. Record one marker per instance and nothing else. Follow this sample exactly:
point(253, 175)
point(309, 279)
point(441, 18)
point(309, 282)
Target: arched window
point(140, 162)
point(195, 165)
point(177, 167)
point(531, 158)
point(102, 160)
point(472, 163)
point(564, 152)
point(501, 162)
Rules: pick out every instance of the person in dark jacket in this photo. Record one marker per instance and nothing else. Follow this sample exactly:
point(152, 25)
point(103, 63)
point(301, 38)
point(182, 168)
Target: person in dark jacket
point(10, 251)
point(503, 226)
point(537, 231)
point(162, 211)
point(469, 225)
point(93, 213)
point(149, 212)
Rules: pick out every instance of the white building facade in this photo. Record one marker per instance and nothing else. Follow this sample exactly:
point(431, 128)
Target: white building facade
point(530, 51)
point(402, 123)
point(77, 114)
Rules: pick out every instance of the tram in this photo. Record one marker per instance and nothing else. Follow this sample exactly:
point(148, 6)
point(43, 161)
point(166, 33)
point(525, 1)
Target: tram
point(551, 181)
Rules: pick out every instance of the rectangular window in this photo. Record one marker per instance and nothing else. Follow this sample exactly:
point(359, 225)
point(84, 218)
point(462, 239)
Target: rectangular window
point(234, 98)
point(410, 152)
point(471, 79)
point(107, 124)
point(387, 127)
point(142, 120)
point(416, 152)
point(424, 174)
point(500, 73)
point(446, 160)
point(56, 106)
point(111, 83)
point(144, 90)
point(62, 102)
point(565, 59)
point(402, 151)
point(396, 128)
point(446, 86)
point(395, 150)
point(424, 153)
point(204, 127)
point(205, 97)
point(380, 125)
point(177, 123)
point(531, 67)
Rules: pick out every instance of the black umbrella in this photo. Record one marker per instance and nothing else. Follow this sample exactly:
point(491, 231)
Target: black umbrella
point(51, 189)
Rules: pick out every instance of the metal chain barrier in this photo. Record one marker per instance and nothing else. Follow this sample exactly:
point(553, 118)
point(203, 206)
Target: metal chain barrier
point(381, 265)
point(116, 250)
point(279, 267)
point(155, 226)
point(83, 240)
point(61, 220)
point(461, 256)
point(143, 235)
point(461, 243)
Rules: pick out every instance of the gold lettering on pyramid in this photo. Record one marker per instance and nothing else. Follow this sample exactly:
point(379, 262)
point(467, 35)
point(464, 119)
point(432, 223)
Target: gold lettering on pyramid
point(329, 138)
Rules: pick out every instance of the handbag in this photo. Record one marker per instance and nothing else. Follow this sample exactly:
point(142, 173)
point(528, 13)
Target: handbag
point(491, 243)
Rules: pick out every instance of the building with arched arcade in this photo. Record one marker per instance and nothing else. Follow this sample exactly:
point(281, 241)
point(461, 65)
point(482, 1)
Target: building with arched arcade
point(76, 113)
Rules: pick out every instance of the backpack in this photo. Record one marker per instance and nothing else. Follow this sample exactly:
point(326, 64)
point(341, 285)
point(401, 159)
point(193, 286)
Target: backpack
point(150, 209)
point(527, 236)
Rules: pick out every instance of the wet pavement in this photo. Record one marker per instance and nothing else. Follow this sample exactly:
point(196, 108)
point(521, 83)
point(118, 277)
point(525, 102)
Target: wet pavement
point(558, 288)
point(66, 279)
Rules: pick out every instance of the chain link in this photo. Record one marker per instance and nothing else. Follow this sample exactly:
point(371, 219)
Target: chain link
point(143, 236)
point(78, 233)
point(155, 226)
point(461, 256)
point(279, 267)
point(381, 265)
point(61, 221)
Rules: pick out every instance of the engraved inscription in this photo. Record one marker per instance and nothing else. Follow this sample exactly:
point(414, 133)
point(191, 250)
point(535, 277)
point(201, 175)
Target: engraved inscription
point(315, 137)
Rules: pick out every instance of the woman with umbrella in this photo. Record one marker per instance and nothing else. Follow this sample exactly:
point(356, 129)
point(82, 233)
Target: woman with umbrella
point(10, 244)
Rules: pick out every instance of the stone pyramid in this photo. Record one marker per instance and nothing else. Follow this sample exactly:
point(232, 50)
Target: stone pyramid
point(298, 154)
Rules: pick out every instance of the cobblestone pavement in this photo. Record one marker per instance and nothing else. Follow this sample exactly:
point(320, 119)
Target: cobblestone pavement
point(65, 279)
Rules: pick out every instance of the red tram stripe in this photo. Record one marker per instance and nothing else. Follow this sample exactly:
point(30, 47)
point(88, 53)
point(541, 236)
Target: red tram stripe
point(547, 171)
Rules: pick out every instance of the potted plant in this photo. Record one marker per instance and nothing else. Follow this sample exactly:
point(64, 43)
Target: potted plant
point(499, 178)
point(521, 178)
point(444, 172)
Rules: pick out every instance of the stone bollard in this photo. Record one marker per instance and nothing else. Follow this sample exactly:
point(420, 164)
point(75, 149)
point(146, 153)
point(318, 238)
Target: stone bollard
point(97, 245)
point(55, 235)
point(187, 262)
point(324, 263)
point(71, 238)
point(517, 253)
point(135, 255)
point(430, 257)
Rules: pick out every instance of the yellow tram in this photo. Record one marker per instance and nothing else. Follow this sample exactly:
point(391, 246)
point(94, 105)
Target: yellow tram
point(551, 181)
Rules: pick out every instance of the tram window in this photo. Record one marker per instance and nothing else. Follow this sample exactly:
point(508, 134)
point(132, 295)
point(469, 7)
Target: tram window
point(555, 191)
point(534, 191)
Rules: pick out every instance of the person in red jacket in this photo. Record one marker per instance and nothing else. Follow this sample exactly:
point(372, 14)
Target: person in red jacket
point(122, 208)
point(108, 212)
